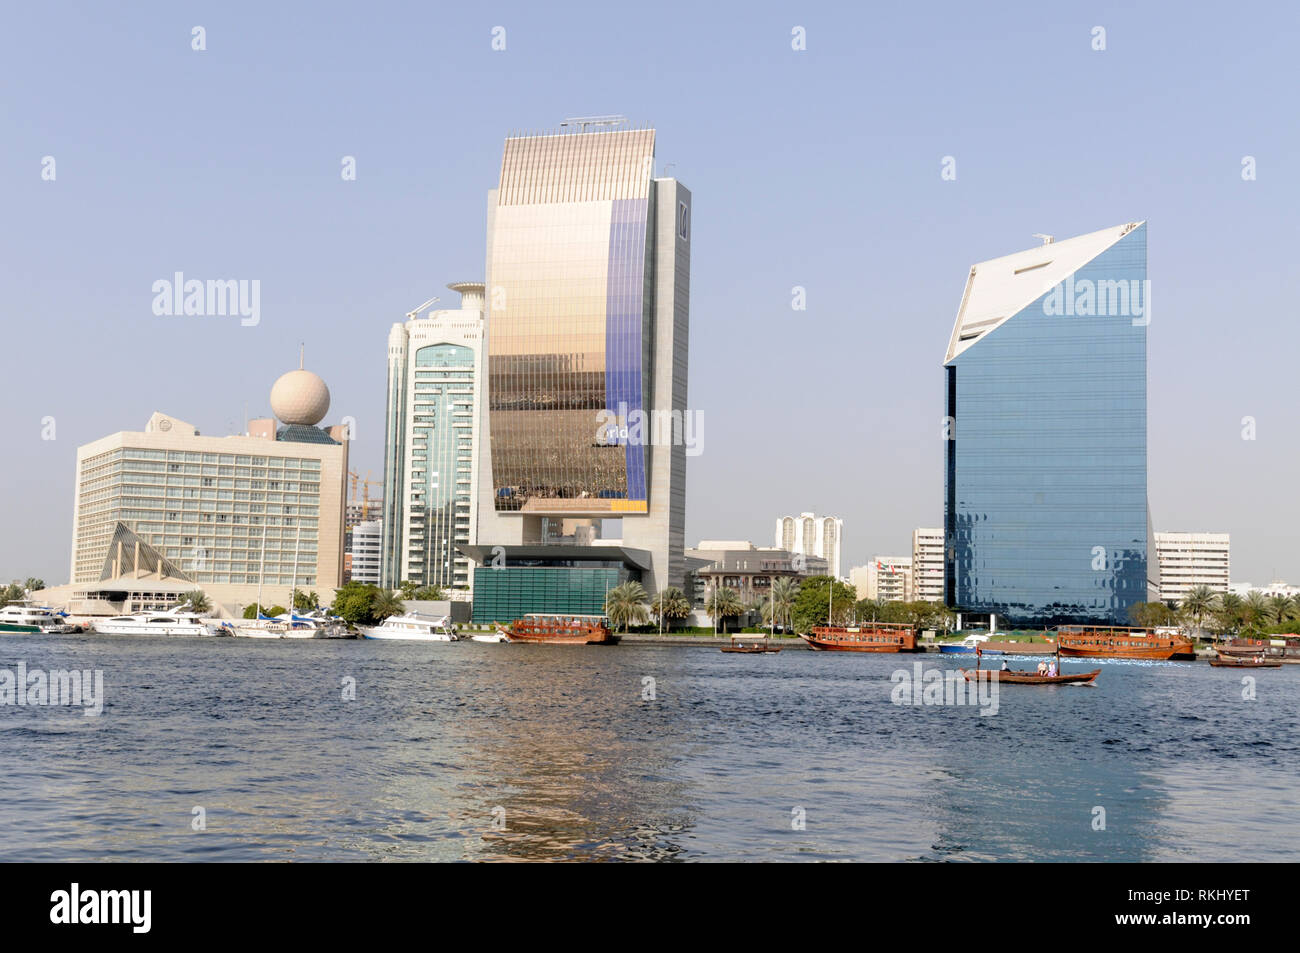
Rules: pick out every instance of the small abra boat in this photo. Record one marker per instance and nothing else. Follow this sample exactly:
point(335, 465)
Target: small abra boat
point(1239, 662)
point(559, 629)
point(868, 637)
point(1014, 677)
point(751, 645)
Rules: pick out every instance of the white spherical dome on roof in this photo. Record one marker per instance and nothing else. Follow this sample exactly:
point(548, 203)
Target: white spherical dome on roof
point(300, 397)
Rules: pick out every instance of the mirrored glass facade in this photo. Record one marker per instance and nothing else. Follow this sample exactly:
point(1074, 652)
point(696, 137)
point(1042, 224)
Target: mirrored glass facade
point(1046, 468)
point(570, 334)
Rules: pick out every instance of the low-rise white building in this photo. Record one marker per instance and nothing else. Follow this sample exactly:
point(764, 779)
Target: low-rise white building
point(886, 577)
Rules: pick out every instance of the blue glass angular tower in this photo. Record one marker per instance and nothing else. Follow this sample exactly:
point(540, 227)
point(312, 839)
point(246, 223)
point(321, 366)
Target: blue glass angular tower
point(1045, 510)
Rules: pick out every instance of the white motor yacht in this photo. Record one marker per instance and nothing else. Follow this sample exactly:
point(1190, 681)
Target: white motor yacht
point(26, 617)
point(178, 621)
point(413, 627)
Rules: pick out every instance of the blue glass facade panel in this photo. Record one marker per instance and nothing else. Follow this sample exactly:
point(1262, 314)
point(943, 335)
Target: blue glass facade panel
point(1046, 476)
point(623, 330)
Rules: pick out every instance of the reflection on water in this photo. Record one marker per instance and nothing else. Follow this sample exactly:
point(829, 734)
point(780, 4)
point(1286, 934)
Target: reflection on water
point(511, 752)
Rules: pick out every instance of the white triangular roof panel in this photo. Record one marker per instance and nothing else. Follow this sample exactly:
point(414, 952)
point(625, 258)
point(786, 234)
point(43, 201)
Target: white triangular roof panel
point(1000, 287)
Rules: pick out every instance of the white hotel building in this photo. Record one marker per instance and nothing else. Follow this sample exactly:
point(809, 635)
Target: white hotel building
point(810, 535)
point(1188, 560)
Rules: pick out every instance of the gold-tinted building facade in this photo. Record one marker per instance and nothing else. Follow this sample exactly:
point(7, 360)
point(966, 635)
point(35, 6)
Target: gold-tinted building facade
point(571, 331)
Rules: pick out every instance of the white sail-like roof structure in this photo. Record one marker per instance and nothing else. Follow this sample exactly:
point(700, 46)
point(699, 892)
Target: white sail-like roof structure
point(1000, 287)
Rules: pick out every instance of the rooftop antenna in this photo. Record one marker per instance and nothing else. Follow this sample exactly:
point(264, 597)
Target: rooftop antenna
point(1047, 239)
point(582, 122)
point(302, 353)
point(411, 315)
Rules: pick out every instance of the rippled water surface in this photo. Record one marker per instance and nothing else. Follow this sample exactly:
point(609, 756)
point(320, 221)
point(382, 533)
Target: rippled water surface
point(512, 752)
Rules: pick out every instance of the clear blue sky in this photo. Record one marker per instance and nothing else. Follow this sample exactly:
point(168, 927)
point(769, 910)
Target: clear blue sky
point(818, 168)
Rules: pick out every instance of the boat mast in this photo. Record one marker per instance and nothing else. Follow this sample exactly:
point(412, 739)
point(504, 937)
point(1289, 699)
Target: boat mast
point(293, 591)
point(261, 570)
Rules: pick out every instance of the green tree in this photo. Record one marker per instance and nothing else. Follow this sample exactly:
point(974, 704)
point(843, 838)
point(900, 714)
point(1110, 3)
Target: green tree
point(816, 597)
point(1255, 609)
point(1149, 615)
point(12, 593)
point(408, 588)
point(33, 584)
point(723, 604)
point(426, 594)
point(1281, 608)
point(199, 602)
point(305, 601)
point(1230, 615)
point(354, 603)
point(785, 590)
point(385, 603)
point(670, 605)
point(250, 612)
point(625, 604)
point(1199, 602)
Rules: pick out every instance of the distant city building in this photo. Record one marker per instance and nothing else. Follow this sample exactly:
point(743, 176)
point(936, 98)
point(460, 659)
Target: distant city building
point(887, 578)
point(1189, 560)
point(1275, 588)
point(811, 535)
point(746, 568)
point(927, 565)
point(364, 554)
point(1045, 509)
point(435, 374)
point(588, 271)
point(165, 511)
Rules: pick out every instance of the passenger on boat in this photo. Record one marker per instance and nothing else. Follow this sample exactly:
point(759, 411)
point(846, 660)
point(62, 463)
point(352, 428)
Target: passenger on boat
point(1042, 668)
point(1051, 669)
point(1005, 666)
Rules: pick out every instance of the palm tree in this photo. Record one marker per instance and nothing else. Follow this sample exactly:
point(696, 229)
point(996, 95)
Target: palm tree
point(784, 591)
point(1231, 612)
point(1281, 608)
point(1256, 608)
point(33, 584)
point(306, 600)
point(1197, 604)
point(199, 602)
point(724, 602)
point(670, 604)
point(384, 603)
point(625, 604)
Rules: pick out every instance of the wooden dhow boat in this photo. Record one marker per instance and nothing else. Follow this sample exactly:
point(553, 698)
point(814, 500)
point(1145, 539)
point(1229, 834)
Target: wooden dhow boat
point(1088, 641)
point(867, 637)
point(559, 629)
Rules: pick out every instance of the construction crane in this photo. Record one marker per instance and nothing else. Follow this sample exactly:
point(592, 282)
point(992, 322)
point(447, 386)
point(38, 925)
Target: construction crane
point(414, 312)
point(365, 492)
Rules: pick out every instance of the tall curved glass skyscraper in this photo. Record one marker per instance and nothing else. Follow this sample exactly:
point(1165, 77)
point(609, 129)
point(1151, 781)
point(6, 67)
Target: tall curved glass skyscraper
point(587, 290)
point(1046, 517)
